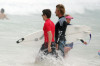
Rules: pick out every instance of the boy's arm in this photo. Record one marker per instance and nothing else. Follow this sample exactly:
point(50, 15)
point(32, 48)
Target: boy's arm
point(41, 37)
point(49, 41)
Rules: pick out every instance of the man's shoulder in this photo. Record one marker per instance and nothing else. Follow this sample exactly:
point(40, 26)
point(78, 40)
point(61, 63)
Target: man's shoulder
point(62, 20)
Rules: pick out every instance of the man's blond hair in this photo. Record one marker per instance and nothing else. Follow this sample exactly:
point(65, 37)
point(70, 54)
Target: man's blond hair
point(61, 8)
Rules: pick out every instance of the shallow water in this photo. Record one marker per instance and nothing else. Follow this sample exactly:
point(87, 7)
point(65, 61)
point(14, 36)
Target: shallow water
point(12, 54)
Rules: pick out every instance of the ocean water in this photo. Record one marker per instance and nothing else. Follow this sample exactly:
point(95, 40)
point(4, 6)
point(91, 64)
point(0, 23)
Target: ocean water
point(26, 19)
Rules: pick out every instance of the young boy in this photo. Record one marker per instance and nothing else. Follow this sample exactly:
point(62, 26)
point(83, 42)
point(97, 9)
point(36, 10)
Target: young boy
point(49, 31)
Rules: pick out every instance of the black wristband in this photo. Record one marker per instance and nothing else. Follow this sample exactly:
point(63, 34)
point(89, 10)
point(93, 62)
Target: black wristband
point(82, 40)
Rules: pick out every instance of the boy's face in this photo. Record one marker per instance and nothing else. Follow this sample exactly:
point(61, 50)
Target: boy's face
point(44, 17)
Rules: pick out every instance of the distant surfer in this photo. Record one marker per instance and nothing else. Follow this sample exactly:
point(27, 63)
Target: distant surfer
point(49, 46)
point(69, 46)
point(2, 15)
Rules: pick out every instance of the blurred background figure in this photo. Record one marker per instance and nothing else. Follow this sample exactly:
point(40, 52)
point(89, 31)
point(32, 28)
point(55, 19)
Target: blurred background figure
point(2, 15)
point(99, 52)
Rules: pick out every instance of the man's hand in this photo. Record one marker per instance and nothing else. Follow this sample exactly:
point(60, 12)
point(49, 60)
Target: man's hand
point(49, 49)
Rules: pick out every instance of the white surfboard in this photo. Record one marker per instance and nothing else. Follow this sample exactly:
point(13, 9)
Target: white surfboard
point(33, 38)
point(77, 32)
point(73, 34)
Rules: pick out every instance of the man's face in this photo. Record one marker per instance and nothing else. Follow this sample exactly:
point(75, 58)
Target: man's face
point(57, 12)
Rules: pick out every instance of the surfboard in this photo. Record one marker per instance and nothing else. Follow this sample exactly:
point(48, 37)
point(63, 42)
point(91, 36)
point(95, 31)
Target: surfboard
point(73, 34)
point(35, 38)
point(77, 32)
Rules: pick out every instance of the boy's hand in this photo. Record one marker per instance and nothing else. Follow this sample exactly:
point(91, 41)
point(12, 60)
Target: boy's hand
point(49, 49)
point(36, 39)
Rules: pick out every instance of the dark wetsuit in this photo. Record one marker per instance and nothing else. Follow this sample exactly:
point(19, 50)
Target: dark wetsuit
point(60, 29)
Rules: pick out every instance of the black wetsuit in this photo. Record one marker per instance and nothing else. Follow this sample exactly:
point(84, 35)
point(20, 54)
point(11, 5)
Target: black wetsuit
point(60, 29)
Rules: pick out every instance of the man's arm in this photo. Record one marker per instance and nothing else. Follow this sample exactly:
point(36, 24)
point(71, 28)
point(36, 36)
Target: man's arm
point(56, 32)
point(49, 41)
point(63, 28)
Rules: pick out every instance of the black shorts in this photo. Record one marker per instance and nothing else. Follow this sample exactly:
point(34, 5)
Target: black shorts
point(44, 49)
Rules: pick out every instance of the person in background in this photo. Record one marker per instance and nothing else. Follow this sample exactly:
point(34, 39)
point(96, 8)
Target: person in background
point(2, 15)
point(68, 47)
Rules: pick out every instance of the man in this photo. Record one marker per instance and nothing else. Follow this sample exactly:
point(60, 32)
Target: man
point(2, 15)
point(60, 28)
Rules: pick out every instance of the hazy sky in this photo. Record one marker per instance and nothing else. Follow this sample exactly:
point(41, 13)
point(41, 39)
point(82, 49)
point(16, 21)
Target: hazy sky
point(36, 6)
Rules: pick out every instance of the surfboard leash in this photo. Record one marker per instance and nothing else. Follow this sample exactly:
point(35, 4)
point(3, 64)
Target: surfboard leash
point(90, 38)
point(20, 40)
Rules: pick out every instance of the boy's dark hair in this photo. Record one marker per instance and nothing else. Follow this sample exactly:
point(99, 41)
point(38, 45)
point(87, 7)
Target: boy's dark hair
point(2, 10)
point(47, 12)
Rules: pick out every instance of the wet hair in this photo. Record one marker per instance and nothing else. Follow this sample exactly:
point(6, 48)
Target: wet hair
point(2, 10)
point(61, 8)
point(47, 12)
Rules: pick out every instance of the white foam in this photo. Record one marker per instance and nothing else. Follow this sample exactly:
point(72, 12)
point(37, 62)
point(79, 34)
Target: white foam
point(26, 7)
